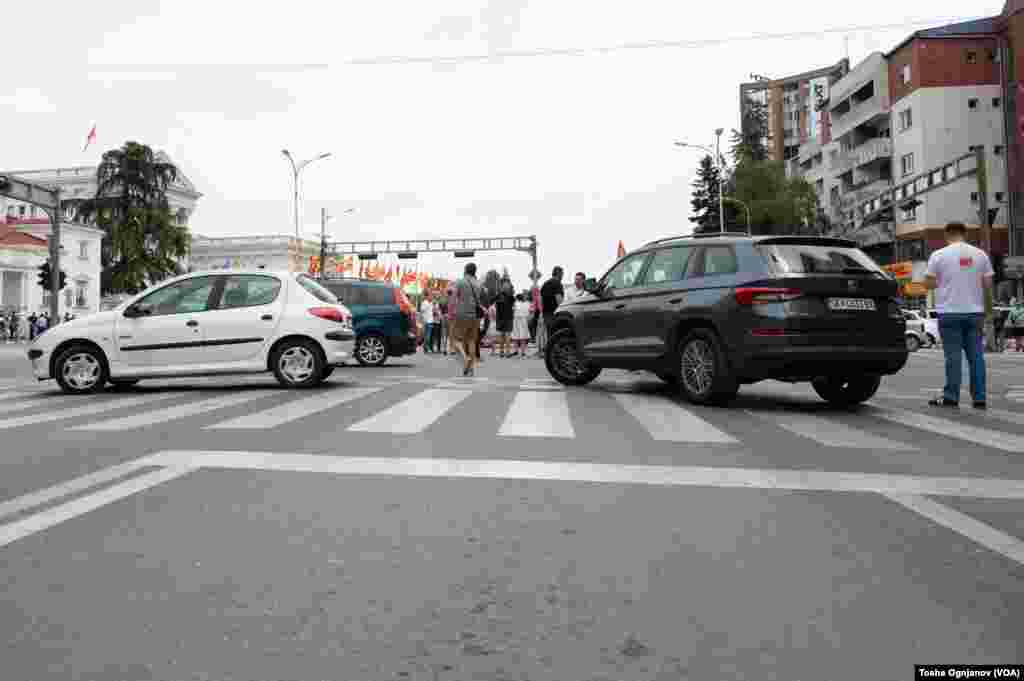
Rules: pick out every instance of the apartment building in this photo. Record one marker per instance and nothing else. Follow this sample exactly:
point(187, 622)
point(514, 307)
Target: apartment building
point(793, 109)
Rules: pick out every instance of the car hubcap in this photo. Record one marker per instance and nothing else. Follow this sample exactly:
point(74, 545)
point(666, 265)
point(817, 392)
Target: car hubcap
point(371, 350)
point(698, 367)
point(81, 371)
point(296, 364)
point(566, 359)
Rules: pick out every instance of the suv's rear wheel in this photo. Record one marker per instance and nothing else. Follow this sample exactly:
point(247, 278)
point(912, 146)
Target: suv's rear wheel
point(564, 361)
point(371, 350)
point(704, 373)
point(846, 392)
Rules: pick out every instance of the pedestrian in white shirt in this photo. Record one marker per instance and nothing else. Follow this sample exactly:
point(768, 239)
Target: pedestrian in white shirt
point(427, 312)
point(575, 292)
point(960, 274)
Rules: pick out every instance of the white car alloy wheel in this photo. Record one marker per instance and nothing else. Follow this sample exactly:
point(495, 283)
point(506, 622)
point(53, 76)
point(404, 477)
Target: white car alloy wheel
point(81, 371)
point(297, 364)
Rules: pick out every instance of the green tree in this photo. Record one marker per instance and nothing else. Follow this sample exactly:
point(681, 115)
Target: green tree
point(778, 205)
point(141, 243)
point(704, 200)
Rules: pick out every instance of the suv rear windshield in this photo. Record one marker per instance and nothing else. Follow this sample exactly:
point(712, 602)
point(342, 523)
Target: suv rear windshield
point(378, 295)
point(817, 259)
point(322, 294)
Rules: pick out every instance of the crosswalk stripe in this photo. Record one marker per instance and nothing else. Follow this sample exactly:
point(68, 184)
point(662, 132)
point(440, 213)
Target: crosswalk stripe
point(10, 404)
point(1007, 442)
point(295, 409)
point(668, 421)
point(150, 418)
point(830, 433)
point(90, 409)
point(538, 414)
point(413, 415)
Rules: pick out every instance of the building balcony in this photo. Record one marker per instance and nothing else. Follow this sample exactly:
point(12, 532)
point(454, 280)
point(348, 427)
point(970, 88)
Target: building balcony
point(851, 198)
point(870, 151)
point(851, 113)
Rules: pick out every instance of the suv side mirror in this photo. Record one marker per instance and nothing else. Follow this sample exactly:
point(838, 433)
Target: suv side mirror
point(590, 285)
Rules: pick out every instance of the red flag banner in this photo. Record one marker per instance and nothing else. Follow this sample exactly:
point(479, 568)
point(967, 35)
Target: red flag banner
point(90, 138)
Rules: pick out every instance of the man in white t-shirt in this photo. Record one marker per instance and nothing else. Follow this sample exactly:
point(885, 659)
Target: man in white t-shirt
point(960, 274)
point(427, 313)
point(574, 292)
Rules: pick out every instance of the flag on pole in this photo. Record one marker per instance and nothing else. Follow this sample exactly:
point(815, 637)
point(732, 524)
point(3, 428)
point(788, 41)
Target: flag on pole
point(622, 250)
point(90, 138)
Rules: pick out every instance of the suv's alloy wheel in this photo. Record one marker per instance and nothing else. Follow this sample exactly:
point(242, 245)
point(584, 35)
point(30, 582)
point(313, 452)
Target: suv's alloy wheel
point(371, 351)
point(846, 392)
point(704, 374)
point(564, 362)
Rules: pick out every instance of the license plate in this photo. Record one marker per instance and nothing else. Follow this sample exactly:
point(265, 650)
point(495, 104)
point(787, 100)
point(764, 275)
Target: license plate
point(851, 304)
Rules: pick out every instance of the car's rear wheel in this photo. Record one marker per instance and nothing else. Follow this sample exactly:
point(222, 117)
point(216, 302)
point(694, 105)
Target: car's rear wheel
point(371, 350)
point(913, 343)
point(298, 364)
point(846, 391)
point(118, 383)
point(81, 370)
point(565, 362)
point(705, 376)
point(931, 341)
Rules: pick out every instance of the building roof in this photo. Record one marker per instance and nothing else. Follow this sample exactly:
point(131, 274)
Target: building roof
point(975, 27)
point(87, 174)
point(10, 236)
point(842, 64)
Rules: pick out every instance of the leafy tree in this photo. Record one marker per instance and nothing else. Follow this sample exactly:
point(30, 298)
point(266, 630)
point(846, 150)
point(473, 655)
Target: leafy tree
point(778, 205)
point(141, 243)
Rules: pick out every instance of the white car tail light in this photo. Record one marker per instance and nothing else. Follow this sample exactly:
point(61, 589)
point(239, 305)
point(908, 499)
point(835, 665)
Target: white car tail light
point(329, 313)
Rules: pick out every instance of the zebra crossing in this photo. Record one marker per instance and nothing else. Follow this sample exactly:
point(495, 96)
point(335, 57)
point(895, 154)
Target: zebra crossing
point(536, 408)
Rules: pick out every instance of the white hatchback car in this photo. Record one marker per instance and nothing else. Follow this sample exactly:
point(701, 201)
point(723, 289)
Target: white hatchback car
point(203, 324)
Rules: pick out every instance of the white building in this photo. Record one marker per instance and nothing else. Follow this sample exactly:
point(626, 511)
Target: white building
point(25, 229)
point(271, 252)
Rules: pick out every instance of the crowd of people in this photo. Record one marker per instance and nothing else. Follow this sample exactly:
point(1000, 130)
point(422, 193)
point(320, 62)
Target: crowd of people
point(457, 321)
point(18, 327)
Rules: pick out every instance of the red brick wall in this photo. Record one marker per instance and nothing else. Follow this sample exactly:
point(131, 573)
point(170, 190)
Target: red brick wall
point(944, 62)
point(905, 55)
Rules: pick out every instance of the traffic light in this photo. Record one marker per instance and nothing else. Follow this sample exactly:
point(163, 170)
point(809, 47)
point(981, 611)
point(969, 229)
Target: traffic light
point(44, 275)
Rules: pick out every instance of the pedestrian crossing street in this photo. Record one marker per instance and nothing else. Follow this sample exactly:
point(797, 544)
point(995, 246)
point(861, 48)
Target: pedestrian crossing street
point(526, 408)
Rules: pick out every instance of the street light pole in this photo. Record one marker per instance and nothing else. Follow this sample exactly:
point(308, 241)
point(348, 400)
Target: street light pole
point(721, 180)
point(296, 169)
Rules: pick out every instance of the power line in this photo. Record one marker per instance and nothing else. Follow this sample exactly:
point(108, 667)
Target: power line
point(649, 45)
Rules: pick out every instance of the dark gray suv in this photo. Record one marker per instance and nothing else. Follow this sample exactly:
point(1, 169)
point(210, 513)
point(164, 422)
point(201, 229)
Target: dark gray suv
point(712, 312)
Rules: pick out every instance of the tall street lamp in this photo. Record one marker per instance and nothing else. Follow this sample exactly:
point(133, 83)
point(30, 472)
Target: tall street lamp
point(324, 219)
point(721, 174)
point(296, 169)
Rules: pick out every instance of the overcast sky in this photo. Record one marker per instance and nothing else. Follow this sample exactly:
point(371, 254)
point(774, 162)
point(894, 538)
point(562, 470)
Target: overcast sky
point(574, 149)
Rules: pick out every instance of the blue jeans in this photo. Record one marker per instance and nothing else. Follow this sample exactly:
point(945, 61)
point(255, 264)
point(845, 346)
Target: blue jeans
point(428, 336)
point(963, 332)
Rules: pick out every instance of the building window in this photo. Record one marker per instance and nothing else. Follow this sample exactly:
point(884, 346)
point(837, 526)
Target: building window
point(906, 74)
point(999, 197)
point(974, 197)
point(906, 120)
point(21, 211)
point(972, 103)
point(993, 56)
point(974, 147)
point(907, 164)
point(32, 211)
point(80, 300)
point(972, 57)
point(996, 102)
point(83, 250)
point(909, 213)
point(998, 150)
point(67, 297)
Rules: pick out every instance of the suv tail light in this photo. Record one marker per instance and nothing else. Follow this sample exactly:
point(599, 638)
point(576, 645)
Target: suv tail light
point(329, 313)
point(759, 296)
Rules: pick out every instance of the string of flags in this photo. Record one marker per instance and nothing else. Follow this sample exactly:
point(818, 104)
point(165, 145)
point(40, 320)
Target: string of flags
point(409, 279)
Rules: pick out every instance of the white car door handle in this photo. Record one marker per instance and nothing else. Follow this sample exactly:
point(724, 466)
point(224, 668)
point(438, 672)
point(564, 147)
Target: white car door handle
point(267, 317)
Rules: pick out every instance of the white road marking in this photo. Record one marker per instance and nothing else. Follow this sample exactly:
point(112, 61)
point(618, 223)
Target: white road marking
point(830, 433)
point(568, 471)
point(538, 413)
point(413, 415)
point(668, 421)
point(178, 411)
point(39, 497)
point(1007, 442)
point(19, 529)
point(9, 404)
point(87, 410)
point(295, 409)
point(975, 530)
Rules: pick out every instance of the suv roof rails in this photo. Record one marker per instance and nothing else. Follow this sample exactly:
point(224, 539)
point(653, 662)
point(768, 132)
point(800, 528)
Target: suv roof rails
point(694, 236)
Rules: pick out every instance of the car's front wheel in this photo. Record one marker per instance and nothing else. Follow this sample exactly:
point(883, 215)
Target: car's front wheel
point(846, 391)
point(81, 370)
point(565, 363)
point(913, 343)
point(704, 373)
point(371, 350)
point(298, 364)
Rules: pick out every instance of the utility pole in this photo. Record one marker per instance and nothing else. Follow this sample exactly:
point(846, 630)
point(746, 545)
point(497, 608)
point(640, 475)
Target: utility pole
point(55, 258)
point(981, 175)
point(323, 242)
point(721, 179)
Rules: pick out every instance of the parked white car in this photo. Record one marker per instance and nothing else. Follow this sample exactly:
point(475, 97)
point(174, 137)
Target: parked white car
point(201, 324)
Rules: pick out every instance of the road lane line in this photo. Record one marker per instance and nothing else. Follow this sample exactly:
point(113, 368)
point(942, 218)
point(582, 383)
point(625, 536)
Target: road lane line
point(90, 409)
point(568, 471)
point(9, 404)
point(538, 413)
point(668, 421)
point(830, 433)
point(996, 439)
point(64, 489)
point(295, 409)
point(975, 530)
point(19, 529)
point(413, 415)
point(151, 418)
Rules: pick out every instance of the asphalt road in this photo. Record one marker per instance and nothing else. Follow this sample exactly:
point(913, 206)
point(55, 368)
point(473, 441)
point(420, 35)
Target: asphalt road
point(404, 523)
